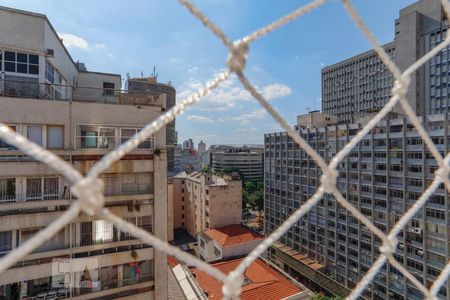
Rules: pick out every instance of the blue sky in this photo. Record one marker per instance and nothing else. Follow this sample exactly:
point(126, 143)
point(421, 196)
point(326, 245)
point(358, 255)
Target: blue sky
point(132, 37)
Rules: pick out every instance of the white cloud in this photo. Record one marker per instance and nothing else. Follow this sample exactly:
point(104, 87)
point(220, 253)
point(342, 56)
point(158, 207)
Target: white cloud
point(229, 92)
point(73, 41)
point(193, 69)
point(197, 118)
point(277, 90)
point(248, 118)
point(99, 46)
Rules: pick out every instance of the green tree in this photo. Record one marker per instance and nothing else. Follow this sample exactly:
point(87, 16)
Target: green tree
point(322, 297)
point(253, 196)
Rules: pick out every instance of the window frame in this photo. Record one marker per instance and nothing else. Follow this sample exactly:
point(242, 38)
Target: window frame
point(11, 147)
point(42, 133)
point(48, 137)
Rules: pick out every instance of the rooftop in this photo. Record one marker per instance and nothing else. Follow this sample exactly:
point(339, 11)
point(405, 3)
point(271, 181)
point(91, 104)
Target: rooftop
point(214, 180)
point(232, 235)
point(261, 281)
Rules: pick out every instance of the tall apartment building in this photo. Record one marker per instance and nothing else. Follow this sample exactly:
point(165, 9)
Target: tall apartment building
point(248, 159)
point(201, 148)
point(151, 84)
point(202, 201)
point(362, 83)
point(382, 177)
point(80, 116)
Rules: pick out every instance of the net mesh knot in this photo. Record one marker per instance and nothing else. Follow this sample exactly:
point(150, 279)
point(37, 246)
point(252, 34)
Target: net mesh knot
point(233, 285)
point(389, 246)
point(329, 180)
point(238, 57)
point(90, 192)
point(442, 173)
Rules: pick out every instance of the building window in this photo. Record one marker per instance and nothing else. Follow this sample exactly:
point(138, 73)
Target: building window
point(103, 231)
point(55, 137)
point(93, 137)
point(147, 223)
point(7, 189)
point(42, 188)
point(21, 63)
point(34, 134)
point(108, 89)
point(5, 241)
point(5, 145)
point(127, 133)
point(217, 252)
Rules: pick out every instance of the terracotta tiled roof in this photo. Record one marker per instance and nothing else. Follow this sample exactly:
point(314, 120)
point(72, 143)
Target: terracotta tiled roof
point(262, 282)
point(232, 235)
point(172, 261)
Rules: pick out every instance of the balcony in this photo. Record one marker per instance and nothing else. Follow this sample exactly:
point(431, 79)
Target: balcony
point(31, 88)
point(92, 137)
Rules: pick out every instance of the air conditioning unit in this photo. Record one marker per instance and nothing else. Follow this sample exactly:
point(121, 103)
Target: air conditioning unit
point(418, 230)
point(412, 230)
point(401, 246)
point(395, 277)
point(420, 252)
point(416, 273)
point(375, 292)
point(50, 53)
point(355, 270)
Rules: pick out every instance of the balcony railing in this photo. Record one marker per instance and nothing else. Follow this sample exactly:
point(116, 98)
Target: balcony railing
point(27, 88)
point(107, 142)
point(7, 198)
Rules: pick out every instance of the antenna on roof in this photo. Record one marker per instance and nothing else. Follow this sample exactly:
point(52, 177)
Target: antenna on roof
point(154, 74)
point(142, 74)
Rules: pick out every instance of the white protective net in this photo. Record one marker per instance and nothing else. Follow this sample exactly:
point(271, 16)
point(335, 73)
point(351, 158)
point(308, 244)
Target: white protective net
point(89, 189)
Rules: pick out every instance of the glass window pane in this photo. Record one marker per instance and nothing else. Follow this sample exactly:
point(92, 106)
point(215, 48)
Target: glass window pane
point(22, 57)
point(22, 68)
point(51, 188)
point(55, 137)
point(7, 189)
point(33, 69)
point(34, 134)
point(33, 59)
point(103, 231)
point(10, 67)
point(10, 56)
point(34, 188)
point(5, 145)
point(5, 241)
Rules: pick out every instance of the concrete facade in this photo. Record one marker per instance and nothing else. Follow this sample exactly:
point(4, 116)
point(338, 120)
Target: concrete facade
point(248, 159)
point(79, 116)
point(362, 84)
point(202, 201)
point(382, 177)
point(151, 84)
point(315, 119)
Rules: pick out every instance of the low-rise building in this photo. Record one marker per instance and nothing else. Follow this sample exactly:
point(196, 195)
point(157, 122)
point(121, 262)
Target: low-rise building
point(202, 201)
point(226, 242)
point(261, 281)
point(315, 119)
